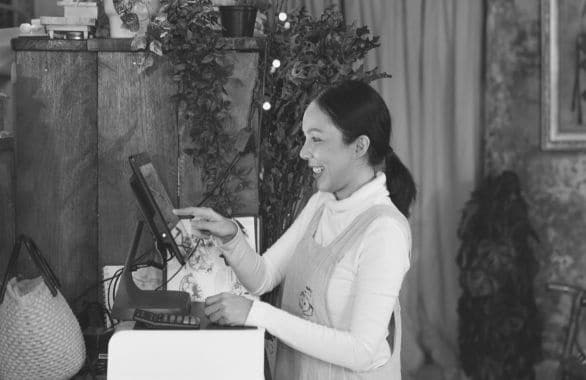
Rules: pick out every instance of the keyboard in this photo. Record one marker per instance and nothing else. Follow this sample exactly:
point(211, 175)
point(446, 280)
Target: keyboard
point(163, 321)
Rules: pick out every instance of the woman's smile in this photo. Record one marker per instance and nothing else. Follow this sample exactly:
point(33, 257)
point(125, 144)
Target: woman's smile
point(317, 171)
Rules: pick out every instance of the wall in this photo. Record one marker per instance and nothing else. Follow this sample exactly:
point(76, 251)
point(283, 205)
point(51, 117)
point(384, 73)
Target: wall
point(553, 182)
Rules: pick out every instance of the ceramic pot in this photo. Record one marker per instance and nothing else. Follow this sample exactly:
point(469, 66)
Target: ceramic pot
point(238, 20)
point(143, 10)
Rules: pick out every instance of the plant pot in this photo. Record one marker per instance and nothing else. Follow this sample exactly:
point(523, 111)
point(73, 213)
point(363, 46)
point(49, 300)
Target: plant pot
point(144, 9)
point(238, 21)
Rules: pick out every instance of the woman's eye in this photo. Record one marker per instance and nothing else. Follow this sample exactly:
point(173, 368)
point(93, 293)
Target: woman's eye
point(315, 139)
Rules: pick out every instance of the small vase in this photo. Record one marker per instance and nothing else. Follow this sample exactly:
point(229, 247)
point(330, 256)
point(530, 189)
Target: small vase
point(144, 10)
point(238, 21)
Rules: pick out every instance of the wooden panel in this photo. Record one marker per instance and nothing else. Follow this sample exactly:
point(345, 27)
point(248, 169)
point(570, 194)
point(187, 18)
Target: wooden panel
point(6, 200)
point(124, 44)
point(135, 114)
point(56, 159)
point(240, 89)
point(44, 44)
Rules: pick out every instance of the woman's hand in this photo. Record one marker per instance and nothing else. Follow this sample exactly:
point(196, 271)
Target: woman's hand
point(206, 221)
point(227, 309)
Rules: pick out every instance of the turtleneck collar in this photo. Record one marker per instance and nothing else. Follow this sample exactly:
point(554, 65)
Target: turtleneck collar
point(377, 187)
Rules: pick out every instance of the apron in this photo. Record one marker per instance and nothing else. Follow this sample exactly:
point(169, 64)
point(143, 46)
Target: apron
point(304, 295)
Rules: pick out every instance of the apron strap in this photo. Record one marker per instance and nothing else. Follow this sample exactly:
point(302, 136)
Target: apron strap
point(361, 223)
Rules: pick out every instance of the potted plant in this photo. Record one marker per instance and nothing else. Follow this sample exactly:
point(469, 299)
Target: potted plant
point(129, 18)
point(499, 330)
point(238, 17)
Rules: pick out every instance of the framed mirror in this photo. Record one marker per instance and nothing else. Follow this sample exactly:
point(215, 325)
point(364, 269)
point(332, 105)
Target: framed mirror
point(563, 74)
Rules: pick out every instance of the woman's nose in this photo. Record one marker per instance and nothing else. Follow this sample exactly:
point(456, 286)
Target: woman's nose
point(304, 152)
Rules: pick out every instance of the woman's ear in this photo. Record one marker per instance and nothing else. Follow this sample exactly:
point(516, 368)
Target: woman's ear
point(362, 143)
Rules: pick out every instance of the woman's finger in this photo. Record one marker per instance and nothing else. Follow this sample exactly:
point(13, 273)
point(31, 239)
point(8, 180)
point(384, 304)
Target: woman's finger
point(196, 212)
point(216, 316)
point(206, 213)
point(213, 299)
point(186, 211)
point(213, 308)
point(203, 225)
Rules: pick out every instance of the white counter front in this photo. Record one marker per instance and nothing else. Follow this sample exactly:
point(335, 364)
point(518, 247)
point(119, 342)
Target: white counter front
point(187, 354)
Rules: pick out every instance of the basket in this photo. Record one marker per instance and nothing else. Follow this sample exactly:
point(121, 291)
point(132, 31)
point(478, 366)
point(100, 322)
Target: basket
point(40, 336)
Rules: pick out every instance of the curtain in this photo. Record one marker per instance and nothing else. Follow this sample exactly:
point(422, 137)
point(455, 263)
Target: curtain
point(313, 7)
point(433, 50)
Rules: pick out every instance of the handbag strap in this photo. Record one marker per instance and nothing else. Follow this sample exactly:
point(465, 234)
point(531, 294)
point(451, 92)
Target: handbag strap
point(34, 252)
point(43, 265)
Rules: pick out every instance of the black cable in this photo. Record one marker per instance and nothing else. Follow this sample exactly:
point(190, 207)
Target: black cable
point(100, 282)
point(181, 266)
point(114, 280)
point(223, 179)
point(113, 285)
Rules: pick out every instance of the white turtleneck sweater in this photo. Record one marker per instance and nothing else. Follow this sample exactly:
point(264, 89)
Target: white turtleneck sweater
point(365, 282)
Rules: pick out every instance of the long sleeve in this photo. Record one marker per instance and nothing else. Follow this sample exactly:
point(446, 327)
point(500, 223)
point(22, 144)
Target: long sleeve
point(383, 259)
point(260, 274)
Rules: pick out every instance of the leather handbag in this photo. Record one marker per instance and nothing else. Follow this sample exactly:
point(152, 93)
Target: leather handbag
point(40, 338)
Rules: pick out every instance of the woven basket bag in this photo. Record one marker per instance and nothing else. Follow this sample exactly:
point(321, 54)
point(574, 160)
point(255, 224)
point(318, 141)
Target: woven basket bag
point(40, 338)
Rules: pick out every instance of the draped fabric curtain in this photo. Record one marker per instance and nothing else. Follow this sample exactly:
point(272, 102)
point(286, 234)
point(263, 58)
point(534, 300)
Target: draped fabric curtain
point(433, 50)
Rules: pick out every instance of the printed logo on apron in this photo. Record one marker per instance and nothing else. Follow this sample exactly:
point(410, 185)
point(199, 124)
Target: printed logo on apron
point(305, 302)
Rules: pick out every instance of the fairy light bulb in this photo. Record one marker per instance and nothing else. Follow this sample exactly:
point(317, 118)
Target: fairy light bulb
point(287, 25)
point(266, 105)
point(276, 63)
point(282, 16)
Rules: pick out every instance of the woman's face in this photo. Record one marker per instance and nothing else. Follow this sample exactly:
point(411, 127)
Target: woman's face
point(334, 163)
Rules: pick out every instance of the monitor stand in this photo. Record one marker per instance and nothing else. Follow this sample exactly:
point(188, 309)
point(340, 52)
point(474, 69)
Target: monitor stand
point(129, 297)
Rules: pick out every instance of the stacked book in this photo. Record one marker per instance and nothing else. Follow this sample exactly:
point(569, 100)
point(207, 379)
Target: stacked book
point(79, 20)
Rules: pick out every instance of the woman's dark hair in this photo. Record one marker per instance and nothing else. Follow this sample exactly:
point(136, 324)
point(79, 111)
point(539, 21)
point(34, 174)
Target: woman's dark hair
point(357, 109)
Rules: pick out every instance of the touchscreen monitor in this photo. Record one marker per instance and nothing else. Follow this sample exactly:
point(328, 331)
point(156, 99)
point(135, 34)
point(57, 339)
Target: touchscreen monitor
point(155, 203)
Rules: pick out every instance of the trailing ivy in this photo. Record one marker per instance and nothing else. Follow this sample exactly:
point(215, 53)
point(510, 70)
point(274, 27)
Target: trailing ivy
point(314, 54)
point(189, 34)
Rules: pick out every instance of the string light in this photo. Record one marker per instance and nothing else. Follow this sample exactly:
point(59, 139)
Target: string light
point(283, 16)
point(287, 25)
point(276, 63)
point(266, 105)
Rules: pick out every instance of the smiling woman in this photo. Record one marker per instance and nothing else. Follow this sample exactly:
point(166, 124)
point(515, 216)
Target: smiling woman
point(342, 261)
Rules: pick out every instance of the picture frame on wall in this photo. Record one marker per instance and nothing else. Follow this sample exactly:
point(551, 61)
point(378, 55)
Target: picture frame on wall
point(563, 75)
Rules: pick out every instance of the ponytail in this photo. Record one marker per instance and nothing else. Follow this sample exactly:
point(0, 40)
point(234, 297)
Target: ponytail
point(400, 183)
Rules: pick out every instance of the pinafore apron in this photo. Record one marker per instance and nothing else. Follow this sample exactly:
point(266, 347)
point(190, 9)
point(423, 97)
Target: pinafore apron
point(304, 295)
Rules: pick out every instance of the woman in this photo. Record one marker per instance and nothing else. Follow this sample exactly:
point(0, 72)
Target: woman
point(343, 260)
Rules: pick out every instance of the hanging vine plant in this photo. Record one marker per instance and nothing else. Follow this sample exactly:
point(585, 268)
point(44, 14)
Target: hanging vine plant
point(311, 54)
point(188, 32)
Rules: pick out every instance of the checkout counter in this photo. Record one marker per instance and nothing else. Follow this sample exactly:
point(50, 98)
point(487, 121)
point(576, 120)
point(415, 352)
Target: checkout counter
point(212, 352)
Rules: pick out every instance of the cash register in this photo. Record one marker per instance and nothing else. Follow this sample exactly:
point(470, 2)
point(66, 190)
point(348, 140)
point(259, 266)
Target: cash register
point(171, 337)
point(157, 210)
